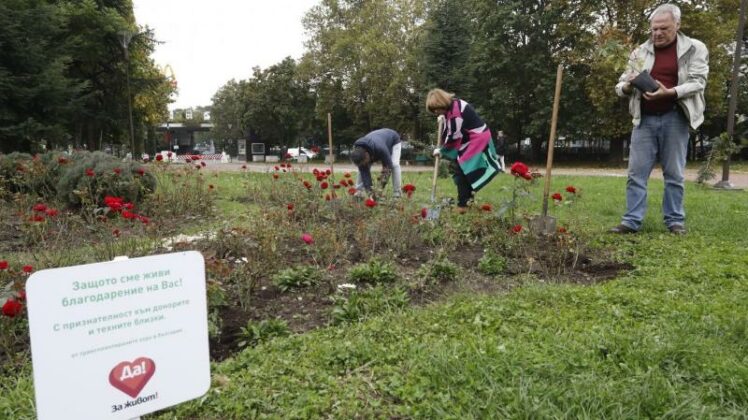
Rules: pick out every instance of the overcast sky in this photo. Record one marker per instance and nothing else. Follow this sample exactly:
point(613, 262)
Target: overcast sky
point(209, 42)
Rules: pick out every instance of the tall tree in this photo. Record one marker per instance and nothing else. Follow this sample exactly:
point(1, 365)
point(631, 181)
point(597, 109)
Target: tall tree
point(36, 96)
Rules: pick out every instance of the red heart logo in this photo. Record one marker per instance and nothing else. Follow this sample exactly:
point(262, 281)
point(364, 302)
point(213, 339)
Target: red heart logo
point(131, 377)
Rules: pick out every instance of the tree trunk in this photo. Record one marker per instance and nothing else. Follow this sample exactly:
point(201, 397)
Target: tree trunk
point(616, 149)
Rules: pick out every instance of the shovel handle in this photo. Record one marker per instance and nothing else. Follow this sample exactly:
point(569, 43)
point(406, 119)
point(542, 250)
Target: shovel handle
point(439, 123)
point(552, 138)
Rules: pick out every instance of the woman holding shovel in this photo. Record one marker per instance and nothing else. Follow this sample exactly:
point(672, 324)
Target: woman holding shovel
point(467, 141)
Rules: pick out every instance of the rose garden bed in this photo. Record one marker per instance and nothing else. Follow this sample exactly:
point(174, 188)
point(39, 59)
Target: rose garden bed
point(311, 254)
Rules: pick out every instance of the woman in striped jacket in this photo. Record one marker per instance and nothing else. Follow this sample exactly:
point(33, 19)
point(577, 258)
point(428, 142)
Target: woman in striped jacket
point(466, 139)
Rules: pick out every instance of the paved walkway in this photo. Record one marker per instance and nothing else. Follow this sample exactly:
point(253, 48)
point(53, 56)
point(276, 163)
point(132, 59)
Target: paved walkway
point(738, 178)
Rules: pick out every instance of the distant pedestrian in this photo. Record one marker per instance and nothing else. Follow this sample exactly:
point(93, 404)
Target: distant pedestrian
point(466, 141)
point(501, 148)
point(381, 145)
point(679, 65)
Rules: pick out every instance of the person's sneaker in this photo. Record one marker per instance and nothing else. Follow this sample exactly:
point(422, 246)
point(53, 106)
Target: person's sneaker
point(621, 229)
point(677, 229)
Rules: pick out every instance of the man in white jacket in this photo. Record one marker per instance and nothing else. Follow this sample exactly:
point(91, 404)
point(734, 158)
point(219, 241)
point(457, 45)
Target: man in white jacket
point(662, 117)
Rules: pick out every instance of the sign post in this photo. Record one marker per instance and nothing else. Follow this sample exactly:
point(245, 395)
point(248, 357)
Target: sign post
point(119, 339)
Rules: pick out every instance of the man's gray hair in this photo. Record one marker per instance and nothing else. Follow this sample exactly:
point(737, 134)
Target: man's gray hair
point(667, 8)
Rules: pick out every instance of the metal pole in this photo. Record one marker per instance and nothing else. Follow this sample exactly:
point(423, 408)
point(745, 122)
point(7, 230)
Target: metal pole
point(330, 154)
point(129, 110)
point(126, 38)
point(733, 102)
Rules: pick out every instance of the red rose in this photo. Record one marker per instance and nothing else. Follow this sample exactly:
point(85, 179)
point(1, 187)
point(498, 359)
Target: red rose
point(3, 265)
point(370, 202)
point(282, 165)
point(516, 229)
point(90, 172)
point(27, 268)
point(140, 171)
point(336, 186)
point(159, 157)
point(328, 172)
point(519, 169)
point(486, 207)
point(52, 212)
point(557, 197)
point(275, 176)
point(307, 238)
point(570, 189)
point(144, 220)
point(324, 185)
point(12, 307)
point(562, 230)
point(351, 191)
point(129, 215)
point(424, 212)
point(315, 171)
point(308, 185)
point(117, 171)
point(116, 233)
point(39, 207)
point(36, 218)
point(168, 154)
point(290, 206)
point(128, 206)
point(277, 168)
point(61, 160)
point(347, 174)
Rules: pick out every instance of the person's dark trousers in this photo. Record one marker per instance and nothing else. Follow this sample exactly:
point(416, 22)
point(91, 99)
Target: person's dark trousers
point(464, 189)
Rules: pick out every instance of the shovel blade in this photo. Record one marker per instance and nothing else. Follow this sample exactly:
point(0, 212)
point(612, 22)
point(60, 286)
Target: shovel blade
point(545, 225)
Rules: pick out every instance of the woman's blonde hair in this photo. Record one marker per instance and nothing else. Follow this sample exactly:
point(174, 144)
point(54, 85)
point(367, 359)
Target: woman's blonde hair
point(438, 99)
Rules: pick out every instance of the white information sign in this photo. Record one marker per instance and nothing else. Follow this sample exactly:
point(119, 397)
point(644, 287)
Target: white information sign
point(120, 339)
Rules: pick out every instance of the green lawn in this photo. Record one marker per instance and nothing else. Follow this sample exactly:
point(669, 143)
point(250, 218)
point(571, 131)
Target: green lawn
point(669, 339)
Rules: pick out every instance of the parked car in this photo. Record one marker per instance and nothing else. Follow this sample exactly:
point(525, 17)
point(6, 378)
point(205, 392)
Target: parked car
point(294, 152)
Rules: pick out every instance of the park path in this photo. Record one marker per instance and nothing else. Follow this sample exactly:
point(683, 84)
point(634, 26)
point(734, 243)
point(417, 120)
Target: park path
point(738, 178)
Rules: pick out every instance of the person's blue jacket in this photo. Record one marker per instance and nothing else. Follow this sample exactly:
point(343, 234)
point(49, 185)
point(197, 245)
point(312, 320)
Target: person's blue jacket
point(379, 144)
